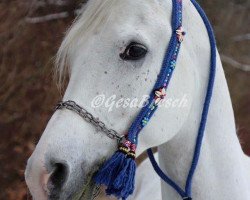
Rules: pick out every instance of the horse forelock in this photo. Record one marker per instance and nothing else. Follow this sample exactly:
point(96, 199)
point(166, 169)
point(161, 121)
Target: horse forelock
point(93, 15)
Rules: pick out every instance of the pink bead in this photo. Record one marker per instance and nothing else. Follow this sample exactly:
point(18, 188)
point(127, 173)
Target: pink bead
point(127, 143)
point(133, 147)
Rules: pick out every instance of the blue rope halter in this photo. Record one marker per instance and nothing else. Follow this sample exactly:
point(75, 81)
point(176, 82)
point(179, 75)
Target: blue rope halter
point(118, 172)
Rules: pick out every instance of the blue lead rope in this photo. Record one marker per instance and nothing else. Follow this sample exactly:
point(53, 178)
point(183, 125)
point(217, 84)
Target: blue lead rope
point(118, 172)
point(188, 189)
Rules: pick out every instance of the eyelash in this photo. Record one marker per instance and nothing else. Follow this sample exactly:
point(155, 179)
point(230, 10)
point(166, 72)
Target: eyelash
point(134, 51)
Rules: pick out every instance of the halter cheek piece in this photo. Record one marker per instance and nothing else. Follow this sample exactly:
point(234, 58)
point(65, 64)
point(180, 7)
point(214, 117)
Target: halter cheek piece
point(118, 172)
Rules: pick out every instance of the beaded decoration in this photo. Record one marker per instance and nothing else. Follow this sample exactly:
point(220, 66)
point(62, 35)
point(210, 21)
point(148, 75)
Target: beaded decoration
point(160, 95)
point(127, 148)
point(180, 34)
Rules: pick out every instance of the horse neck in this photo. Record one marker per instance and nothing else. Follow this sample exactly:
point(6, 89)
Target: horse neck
point(221, 160)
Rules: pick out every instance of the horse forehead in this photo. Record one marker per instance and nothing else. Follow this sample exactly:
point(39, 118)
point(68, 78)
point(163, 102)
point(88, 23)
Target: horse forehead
point(143, 10)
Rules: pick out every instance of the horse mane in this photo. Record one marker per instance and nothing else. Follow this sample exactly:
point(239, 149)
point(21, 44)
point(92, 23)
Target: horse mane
point(91, 17)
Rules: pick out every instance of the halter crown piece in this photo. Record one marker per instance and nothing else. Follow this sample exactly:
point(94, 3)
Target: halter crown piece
point(118, 173)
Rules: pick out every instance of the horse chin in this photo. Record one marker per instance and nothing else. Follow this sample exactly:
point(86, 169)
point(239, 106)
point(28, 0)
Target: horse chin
point(89, 190)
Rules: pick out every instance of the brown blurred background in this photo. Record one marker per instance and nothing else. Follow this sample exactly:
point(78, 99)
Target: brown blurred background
point(30, 34)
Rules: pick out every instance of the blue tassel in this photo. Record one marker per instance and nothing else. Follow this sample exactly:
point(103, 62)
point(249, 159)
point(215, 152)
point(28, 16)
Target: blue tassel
point(118, 173)
point(110, 169)
point(123, 185)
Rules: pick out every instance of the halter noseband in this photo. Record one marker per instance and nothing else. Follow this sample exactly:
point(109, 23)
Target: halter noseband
point(87, 116)
point(118, 172)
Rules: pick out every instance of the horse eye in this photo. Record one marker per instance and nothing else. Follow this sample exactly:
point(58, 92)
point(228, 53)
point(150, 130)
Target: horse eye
point(134, 51)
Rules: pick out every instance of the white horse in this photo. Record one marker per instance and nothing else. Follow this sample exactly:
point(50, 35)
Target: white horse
point(70, 149)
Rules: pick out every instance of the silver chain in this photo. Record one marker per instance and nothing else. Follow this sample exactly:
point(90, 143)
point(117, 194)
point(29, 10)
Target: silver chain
point(87, 116)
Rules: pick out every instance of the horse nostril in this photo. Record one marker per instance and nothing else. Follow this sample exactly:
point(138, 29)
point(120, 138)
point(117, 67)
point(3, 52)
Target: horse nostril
point(57, 179)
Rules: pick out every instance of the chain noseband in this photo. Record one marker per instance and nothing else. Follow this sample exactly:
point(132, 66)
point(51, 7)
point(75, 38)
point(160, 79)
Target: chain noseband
point(88, 117)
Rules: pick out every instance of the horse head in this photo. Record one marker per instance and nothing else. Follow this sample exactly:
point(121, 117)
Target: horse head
point(113, 52)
